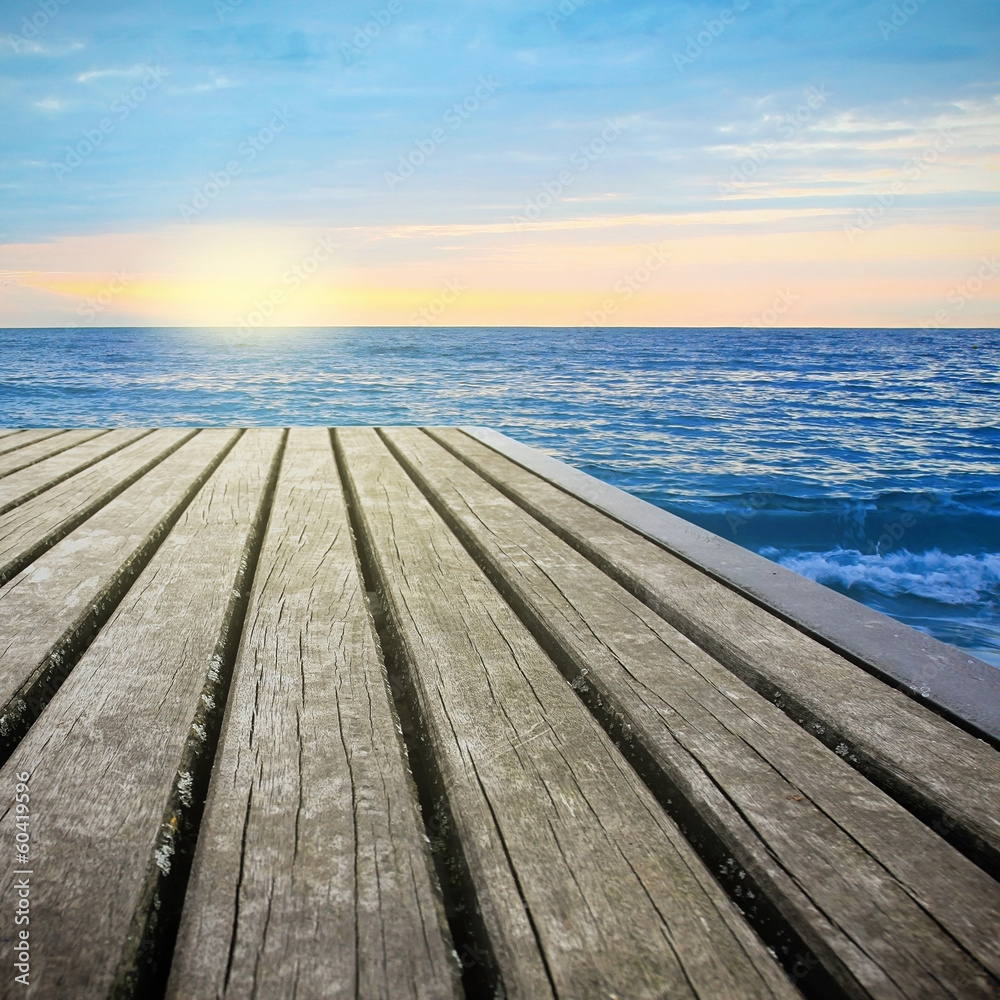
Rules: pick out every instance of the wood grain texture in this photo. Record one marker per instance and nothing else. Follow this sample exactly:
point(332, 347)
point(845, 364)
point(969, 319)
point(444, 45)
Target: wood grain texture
point(948, 680)
point(19, 439)
point(311, 877)
point(21, 486)
point(40, 450)
point(834, 852)
point(104, 757)
point(947, 776)
point(59, 601)
point(585, 887)
point(36, 525)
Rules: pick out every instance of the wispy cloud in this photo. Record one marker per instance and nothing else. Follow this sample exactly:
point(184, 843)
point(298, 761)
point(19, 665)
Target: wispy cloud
point(720, 148)
point(139, 69)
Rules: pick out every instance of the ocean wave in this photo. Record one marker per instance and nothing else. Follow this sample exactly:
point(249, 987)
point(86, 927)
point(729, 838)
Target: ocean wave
point(847, 451)
point(956, 502)
point(934, 575)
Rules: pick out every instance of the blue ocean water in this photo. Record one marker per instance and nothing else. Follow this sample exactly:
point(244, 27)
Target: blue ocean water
point(868, 460)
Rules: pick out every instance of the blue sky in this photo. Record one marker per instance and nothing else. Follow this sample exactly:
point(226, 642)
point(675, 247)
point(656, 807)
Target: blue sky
point(771, 123)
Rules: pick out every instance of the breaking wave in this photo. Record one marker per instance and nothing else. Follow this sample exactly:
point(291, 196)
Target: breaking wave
point(964, 579)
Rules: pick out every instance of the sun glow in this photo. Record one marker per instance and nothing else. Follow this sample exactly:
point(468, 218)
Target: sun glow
point(629, 271)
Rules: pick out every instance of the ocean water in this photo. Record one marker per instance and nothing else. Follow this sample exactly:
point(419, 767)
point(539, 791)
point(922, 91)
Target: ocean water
point(868, 460)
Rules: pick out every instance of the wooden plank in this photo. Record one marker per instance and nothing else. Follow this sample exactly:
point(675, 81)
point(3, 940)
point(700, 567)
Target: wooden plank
point(311, 876)
point(36, 525)
point(7, 431)
point(27, 456)
point(846, 854)
point(952, 682)
point(21, 486)
point(946, 776)
point(53, 607)
point(26, 437)
point(117, 761)
point(585, 887)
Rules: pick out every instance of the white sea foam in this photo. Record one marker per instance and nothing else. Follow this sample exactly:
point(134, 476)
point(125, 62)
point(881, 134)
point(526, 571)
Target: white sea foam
point(934, 575)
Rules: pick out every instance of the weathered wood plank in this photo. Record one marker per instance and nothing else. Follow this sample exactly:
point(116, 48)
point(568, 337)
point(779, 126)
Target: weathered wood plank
point(116, 760)
point(53, 607)
point(7, 431)
point(833, 852)
point(27, 456)
point(949, 680)
point(25, 437)
point(585, 886)
point(21, 486)
point(36, 525)
point(947, 776)
point(311, 876)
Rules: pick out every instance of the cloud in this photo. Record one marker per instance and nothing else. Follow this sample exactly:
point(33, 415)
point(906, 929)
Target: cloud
point(687, 133)
point(139, 69)
point(721, 266)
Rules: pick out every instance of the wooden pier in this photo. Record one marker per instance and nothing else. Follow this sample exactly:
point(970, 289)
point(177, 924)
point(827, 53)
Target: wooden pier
point(422, 713)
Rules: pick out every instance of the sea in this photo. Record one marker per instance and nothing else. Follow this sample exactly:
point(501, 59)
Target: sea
point(868, 460)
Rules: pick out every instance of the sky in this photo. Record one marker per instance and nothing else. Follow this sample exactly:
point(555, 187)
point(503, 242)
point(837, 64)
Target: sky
point(249, 163)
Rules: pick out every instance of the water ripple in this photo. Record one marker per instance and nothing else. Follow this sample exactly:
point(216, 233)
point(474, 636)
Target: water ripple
point(795, 442)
